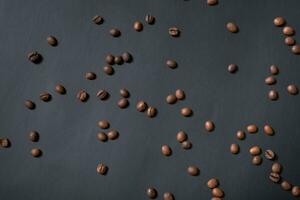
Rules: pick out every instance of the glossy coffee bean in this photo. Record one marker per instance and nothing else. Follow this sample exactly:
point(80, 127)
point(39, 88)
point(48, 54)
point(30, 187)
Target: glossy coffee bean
point(34, 57)
point(255, 150)
point(269, 154)
point(252, 128)
point(151, 192)
point(112, 134)
point(296, 191)
point(217, 192)
point(141, 106)
point(171, 99)
point(110, 59)
point(187, 112)
point(256, 160)
point(102, 94)
point(108, 69)
point(174, 32)
point(124, 93)
point(102, 136)
point(33, 136)
point(234, 148)
point(276, 168)
point(209, 126)
point(286, 185)
point(273, 95)
point(4, 143)
point(296, 49)
point(270, 80)
point(292, 89)
point(45, 96)
point(212, 183)
point(60, 89)
point(180, 94)
point(212, 2)
point(287, 30)
point(232, 27)
point(127, 57)
point(115, 32)
point(232, 68)
point(29, 104)
point(166, 150)
point(119, 60)
point(240, 135)
point(279, 21)
point(275, 177)
point(102, 169)
point(289, 41)
point(123, 103)
point(98, 19)
point(168, 196)
point(274, 70)
point(52, 40)
point(151, 111)
point(35, 152)
point(171, 64)
point(268, 130)
point(193, 171)
point(82, 95)
point(181, 136)
point(104, 124)
point(90, 76)
point(186, 145)
point(150, 19)
point(138, 26)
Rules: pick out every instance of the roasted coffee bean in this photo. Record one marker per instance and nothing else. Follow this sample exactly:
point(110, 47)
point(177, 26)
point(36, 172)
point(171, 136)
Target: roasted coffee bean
point(82, 95)
point(268, 130)
point(102, 94)
point(180, 95)
point(217, 192)
point(112, 134)
point(35, 152)
point(296, 191)
point(90, 76)
point(256, 160)
point(212, 2)
point(286, 185)
point(150, 19)
point(212, 183)
point(138, 26)
point(104, 124)
point(289, 41)
point(34, 57)
point(209, 126)
point(4, 142)
point(171, 99)
point(30, 104)
point(168, 196)
point(119, 60)
point(193, 171)
point(151, 192)
point(296, 49)
point(234, 148)
point(279, 21)
point(186, 112)
point(287, 30)
point(127, 57)
point(174, 32)
point(102, 136)
point(255, 150)
point(102, 169)
point(232, 27)
point(45, 96)
point(252, 128)
point(274, 177)
point(33, 136)
point(151, 111)
point(273, 95)
point(171, 64)
point(270, 80)
point(60, 89)
point(292, 89)
point(276, 168)
point(98, 19)
point(166, 150)
point(115, 32)
point(124, 93)
point(123, 103)
point(108, 69)
point(232, 68)
point(181, 136)
point(269, 154)
point(110, 59)
point(52, 40)
point(240, 135)
point(186, 145)
point(141, 106)
point(274, 69)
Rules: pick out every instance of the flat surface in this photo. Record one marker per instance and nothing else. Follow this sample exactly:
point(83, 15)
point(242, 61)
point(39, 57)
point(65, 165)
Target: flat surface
point(67, 169)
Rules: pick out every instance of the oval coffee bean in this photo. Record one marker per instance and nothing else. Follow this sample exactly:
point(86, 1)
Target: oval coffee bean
point(256, 160)
point(4, 142)
point(273, 95)
point(234, 148)
point(168, 196)
point(149, 19)
point(274, 177)
point(102, 94)
point(255, 150)
point(181, 136)
point(212, 2)
point(269, 154)
point(296, 49)
point(186, 112)
point(124, 93)
point(166, 150)
point(240, 135)
point(90, 76)
point(52, 40)
point(274, 69)
point(34, 57)
point(212, 183)
point(60, 89)
point(286, 185)
point(123, 103)
point(102, 136)
point(268, 130)
point(118, 60)
point(289, 41)
point(270, 80)
point(209, 126)
point(82, 95)
point(171, 99)
point(151, 111)
point(252, 128)
point(276, 168)
point(232, 27)
point(115, 32)
point(141, 106)
point(127, 57)
point(112, 134)
point(35, 152)
point(171, 64)
point(232, 68)
point(186, 145)
point(45, 96)
point(30, 104)
point(180, 95)
point(138, 26)
point(296, 191)
point(174, 32)
point(110, 59)
point(33, 136)
point(151, 193)
point(279, 21)
point(193, 170)
point(217, 192)
point(109, 70)
point(104, 124)
point(287, 30)
point(102, 169)
point(98, 19)
point(292, 89)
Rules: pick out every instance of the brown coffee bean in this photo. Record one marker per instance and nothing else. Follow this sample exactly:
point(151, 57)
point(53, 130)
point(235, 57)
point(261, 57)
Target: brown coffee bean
point(232, 27)
point(119, 60)
point(296, 191)
point(98, 19)
point(102, 94)
point(109, 70)
point(151, 192)
point(274, 70)
point(256, 160)
point(168, 196)
point(240, 135)
point(151, 111)
point(296, 49)
point(45, 96)
point(268, 130)
point(209, 126)
point(52, 40)
point(289, 41)
point(34, 57)
point(252, 128)
point(270, 80)
point(292, 89)
point(273, 95)
point(255, 150)
point(35, 152)
point(60, 89)
point(115, 32)
point(286, 185)
point(150, 19)
point(30, 104)
point(171, 99)
point(110, 59)
point(33, 136)
point(82, 95)
point(186, 112)
point(274, 177)
point(174, 32)
point(193, 171)
point(90, 76)
point(279, 21)
point(270, 155)
point(112, 134)
point(287, 30)
point(102, 136)
point(181, 136)
point(276, 168)
point(212, 183)
point(123, 103)
point(102, 169)
point(180, 95)
point(166, 150)
point(186, 145)
point(124, 93)
point(138, 26)
point(217, 192)
point(232, 68)
point(141, 106)
point(104, 124)
point(212, 2)
point(127, 57)
point(234, 148)
point(4, 142)
point(171, 64)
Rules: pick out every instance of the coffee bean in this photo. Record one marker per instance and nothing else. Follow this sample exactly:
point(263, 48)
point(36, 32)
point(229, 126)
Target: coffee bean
point(279, 21)
point(112, 134)
point(296, 49)
point(186, 145)
point(102, 94)
point(252, 128)
point(274, 69)
point(289, 41)
point(186, 111)
point(4, 142)
point(108, 69)
point(150, 19)
point(171, 64)
point(276, 168)
point(269, 154)
point(274, 177)
point(240, 135)
point(90, 76)
point(171, 99)
point(104, 124)
point(127, 57)
point(119, 60)
point(215, 198)
point(166, 150)
point(296, 191)
point(292, 89)
point(286, 185)
point(52, 40)
point(232, 27)
point(102, 169)
point(268, 130)
point(98, 19)
point(110, 59)
point(174, 32)
point(255, 150)
point(45, 96)
point(212, 2)
point(124, 93)
point(35, 152)
point(212, 183)
point(270, 80)
point(168, 196)
point(209, 126)
point(256, 160)
point(180, 95)
point(82, 95)
point(30, 104)
point(273, 95)
point(138, 26)
point(115, 32)
point(217, 192)
point(151, 192)
point(33, 136)
point(102, 136)
point(34, 57)
point(234, 148)
point(193, 171)
point(287, 30)
point(181, 136)
point(123, 103)
point(232, 68)
point(151, 111)
point(141, 106)
point(60, 89)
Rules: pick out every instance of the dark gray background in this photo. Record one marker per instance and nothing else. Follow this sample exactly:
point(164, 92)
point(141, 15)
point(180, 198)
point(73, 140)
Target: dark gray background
point(67, 169)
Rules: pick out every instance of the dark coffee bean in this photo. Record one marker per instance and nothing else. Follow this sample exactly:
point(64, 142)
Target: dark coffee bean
point(181, 136)
point(273, 95)
point(186, 112)
point(232, 27)
point(115, 32)
point(104, 124)
point(269, 154)
point(171, 99)
point(180, 95)
point(252, 128)
point(151, 192)
point(193, 170)
point(171, 64)
point(102, 169)
point(232, 68)
point(124, 93)
point(150, 19)
point(217, 192)
point(141, 106)
point(274, 177)
point(168, 196)
point(4, 142)
point(98, 19)
point(296, 191)
point(45, 96)
point(82, 95)
point(35, 152)
point(52, 40)
point(174, 32)
point(209, 126)
point(186, 145)
point(274, 69)
point(255, 150)
point(34, 57)
point(138, 26)
point(110, 59)
point(268, 130)
point(212, 183)
point(270, 80)
point(296, 49)
point(102, 136)
point(289, 41)
point(276, 168)
point(109, 70)
point(102, 94)
point(90, 76)
point(279, 21)
point(234, 148)
point(33, 136)
point(287, 30)
point(123, 103)
point(256, 160)
point(240, 135)
point(212, 2)
point(292, 89)
point(151, 111)
point(119, 60)
point(30, 104)
point(127, 57)
point(166, 150)
point(60, 89)
point(112, 134)
point(286, 185)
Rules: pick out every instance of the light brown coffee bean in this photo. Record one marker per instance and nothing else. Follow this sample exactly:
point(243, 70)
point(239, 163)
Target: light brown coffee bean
point(296, 49)
point(127, 57)
point(181, 136)
point(174, 32)
point(171, 99)
point(82, 95)
point(287, 30)
point(269, 154)
point(256, 160)
point(212, 2)
point(52, 40)
point(252, 128)
point(138, 26)
point(289, 41)
point(268, 130)
point(193, 171)
point(276, 168)
point(60, 89)
point(273, 95)
point(151, 192)
point(255, 150)
point(109, 70)
point(104, 124)
point(180, 94)
point(286, 185)
point(166, 150)
point(240, 135)
point(274, 70)
point(275, 177)
point(292, 89)
point(279, 21)
point(4, 142)
point(102, 94)
point(45, 96)
point(30, 104)
point(141, 106)
point(171, 64)
point(232, 27)
point(168, 196)
point(296, 191)
point(36, 152)
point(209, 126)
point(112, 134)
point(270, 80)
point(234, 148)
point(123, 103)
point(110, 59)
point(33, 136)
point(102, 136)
point(151, 111)
point(212, 183)
point(90, 76)
point(124, 93)
point(187, 112)
point(186, 145)
point(217, 192)
point(102, 169)
point(232, 68)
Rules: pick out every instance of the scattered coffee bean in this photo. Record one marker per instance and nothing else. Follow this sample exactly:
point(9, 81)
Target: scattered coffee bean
point(240, 135)
point(149, 19)
point(274, 69)
point(102, 94)
point(217, 192)
point(279, 21)
point(256, 160)
point(52, 40)
point(255, 150)
point(141, 106)
point(276, 168)
point(102, 169)
point(112, 134)
point(82, 95)
point(234, 148)
point(212, 2)
point(34, 57)
point(273, 95)
point(110, 59)
point(4, 142)
point(102, 136)
point(138, 26)
point(90, 76)
point(296, 49)
point(193, 171)
point(289, 41)
point(232, 68)
point(166, 150)
point(209, 126)
point(270, 80)
point(186, 145)
point(151, 193)
point(292, 89)
point(123, 103)
point(296, 191)
point(232, 27)
point(171, 64)
point(181, 136)
point(252, 128)
point(35, 152)
point(115, 32)
point(98, 19)
point(119, 60)
point(268, 130)
point(124, 93)
point(274, 177)
point(60, 89)
point(30, 104)
point(174, 32)
point(180, 94)
point(45, 96)
point(127, 57)
point(212, 183)
point(108, 69)
point(171, 99)
point(287, 30)
point(286, 185)
point(186, 111)
point(33, 136)
point(151, 112)
point(269, 154)
point(104, 124)
point(168, 196)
